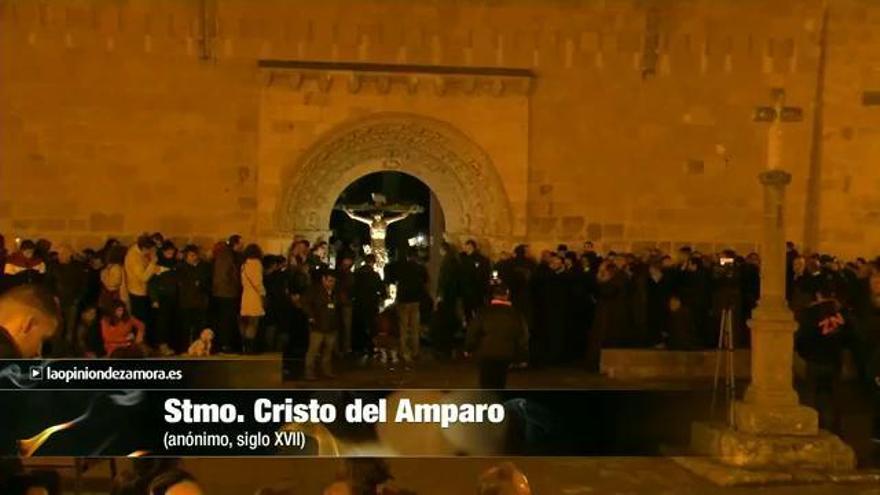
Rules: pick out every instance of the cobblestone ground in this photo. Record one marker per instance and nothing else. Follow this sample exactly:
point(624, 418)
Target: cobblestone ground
point(562, 476)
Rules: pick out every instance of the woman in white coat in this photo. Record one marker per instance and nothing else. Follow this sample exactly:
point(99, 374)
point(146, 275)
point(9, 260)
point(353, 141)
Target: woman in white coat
point(252, 296)
point(113, 286)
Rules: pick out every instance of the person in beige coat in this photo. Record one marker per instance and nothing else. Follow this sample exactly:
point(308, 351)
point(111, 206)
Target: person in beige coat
point(140, 265)
point(113, 287)
point(252, 294)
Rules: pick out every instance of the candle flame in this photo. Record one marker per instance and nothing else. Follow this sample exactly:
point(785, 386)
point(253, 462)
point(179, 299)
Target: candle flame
point(139, 453)
point(29, 446)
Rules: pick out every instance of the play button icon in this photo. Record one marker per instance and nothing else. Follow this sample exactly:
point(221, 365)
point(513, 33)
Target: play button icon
point(36, 372)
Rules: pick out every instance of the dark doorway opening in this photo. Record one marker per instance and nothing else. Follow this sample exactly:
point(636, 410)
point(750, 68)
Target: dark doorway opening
point(397, 188)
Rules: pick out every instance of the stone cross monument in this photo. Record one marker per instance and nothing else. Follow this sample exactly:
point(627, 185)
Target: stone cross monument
point(774, 437)
point(770, 404)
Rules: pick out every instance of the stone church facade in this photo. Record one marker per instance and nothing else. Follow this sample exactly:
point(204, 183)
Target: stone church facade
point(628, 122)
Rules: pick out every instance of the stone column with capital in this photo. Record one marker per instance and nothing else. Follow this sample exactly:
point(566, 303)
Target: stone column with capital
point(770, 404)
point(773, 437)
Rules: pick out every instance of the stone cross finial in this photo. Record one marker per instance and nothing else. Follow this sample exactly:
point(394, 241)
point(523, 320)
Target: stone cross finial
point(776, 115)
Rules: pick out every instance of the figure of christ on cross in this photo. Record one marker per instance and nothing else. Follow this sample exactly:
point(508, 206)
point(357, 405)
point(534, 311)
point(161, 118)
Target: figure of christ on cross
point(378, 223)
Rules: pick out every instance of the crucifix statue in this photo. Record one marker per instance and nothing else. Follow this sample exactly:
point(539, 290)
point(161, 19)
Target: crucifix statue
point(378, 217)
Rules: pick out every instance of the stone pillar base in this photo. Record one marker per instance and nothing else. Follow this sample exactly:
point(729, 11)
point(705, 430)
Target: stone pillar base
point(730, 457)
point(787, 420)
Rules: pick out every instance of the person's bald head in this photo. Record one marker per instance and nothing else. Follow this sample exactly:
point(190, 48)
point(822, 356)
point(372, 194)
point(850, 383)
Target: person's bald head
point(29, 314)
point(187, 487)
point(174, 482)
point(503, 479)
point(338, 488)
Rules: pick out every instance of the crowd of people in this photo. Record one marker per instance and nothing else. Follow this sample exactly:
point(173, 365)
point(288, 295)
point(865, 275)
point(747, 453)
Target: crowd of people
point(325, 299)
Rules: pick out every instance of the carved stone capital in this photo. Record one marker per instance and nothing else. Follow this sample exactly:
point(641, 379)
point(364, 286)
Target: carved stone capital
point(269, 77)
point(357, 81)
point(325, 82)
point(296, 80)
point(440, 85)
point(775, 177)
point(383, 84)
point(498, 87)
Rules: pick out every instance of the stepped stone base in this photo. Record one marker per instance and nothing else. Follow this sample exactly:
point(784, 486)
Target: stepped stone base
point(725, 475)
point(729, 457)
point(794, 420)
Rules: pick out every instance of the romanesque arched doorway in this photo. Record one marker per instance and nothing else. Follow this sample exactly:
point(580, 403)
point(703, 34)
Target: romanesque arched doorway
point(456, 169)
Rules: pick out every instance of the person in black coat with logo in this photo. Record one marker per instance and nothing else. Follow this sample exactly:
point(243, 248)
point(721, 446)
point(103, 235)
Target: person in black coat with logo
point(498, 336)
point(824, 330)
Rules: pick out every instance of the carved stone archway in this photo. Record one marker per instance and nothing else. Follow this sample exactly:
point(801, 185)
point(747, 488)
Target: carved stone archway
point(457, 170)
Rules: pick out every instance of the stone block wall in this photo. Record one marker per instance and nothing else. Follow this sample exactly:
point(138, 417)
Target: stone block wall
point(112, 126)
point(848, 185)
point(117, 117)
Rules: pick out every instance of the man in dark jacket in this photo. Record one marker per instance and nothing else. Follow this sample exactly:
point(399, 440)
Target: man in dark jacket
point(276, 323)
point(445, 323)
point(553, 309)
point(498, 336)
point(325, 320)
point(367, 293)
point(28, 318)
point(517, 274)
point(823, 332)
point(226, 289)
point(590, 257)
point(476, 272)
point(162, 289)
point(658, 288)
point(866, 349)
point(298, 281)
point(344, 286)
point(193, 294)
point(68, 279)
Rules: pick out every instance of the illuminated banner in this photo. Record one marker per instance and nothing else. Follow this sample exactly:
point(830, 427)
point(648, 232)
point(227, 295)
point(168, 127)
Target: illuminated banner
point(339, 423)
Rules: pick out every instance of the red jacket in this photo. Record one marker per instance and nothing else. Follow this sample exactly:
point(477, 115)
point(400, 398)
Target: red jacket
point(122, 334)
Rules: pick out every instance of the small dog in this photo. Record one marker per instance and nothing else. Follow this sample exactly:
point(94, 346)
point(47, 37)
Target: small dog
point(202, 346)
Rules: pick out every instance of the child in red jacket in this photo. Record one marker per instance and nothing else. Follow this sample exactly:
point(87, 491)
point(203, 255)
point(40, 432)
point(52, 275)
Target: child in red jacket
point(387, 338)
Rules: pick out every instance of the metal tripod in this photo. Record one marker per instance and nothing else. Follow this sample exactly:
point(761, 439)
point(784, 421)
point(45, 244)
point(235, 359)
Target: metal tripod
point(725, 354)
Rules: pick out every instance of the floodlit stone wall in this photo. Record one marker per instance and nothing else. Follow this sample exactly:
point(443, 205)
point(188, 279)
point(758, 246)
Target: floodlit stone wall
point(636, 128)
